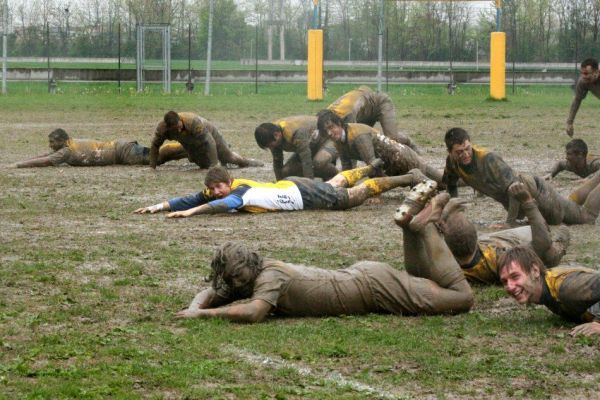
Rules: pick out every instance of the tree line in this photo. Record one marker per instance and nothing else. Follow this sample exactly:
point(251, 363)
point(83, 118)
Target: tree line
point(537, 30)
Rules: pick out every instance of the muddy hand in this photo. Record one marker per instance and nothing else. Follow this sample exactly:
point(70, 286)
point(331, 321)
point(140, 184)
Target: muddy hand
point(570, 130)
point(187, 313)
point(519, 192)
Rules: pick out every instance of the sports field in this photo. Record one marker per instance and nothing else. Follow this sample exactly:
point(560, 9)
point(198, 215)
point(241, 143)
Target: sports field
point(88, 289)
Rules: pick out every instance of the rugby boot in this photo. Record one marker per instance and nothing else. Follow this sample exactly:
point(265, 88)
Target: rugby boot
point(430, 213)
point(414, 202)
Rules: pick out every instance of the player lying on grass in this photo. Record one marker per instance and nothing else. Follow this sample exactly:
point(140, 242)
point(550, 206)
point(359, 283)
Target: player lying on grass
point(571, 292)
point(364, 143)
point(432, 284)
point(204, 145)
point(478, 256)
point(223, 193)
point(576, 161)
point(88, 153)
point(364, 106)
point(313, 154)
point(487, 172)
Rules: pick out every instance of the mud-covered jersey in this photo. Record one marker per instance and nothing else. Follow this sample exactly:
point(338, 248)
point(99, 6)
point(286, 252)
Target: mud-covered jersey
point(300, 136)
point(298, 290)
point(592, 165)
point(197, 137)
point(247, 195)
point(487, 173)
point(349, 103)
point(581, 90)
point(85, 152)
point(357, 145)
point(573, 293)
point(484, 267)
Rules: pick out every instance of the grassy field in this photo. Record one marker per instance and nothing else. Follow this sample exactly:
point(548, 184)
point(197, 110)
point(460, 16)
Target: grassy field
point(88, 290)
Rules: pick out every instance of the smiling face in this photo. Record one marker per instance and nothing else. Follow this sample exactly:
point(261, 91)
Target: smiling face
point(334, 131)
point(522, 286)
point(220, 189)
point(462, 153)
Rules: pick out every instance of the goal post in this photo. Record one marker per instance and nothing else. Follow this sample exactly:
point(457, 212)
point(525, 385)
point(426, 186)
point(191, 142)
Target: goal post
point(140, 63)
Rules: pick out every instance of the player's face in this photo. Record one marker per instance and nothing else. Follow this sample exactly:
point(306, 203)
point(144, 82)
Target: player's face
point(462, 153)
point(523, 287)
point(588, 74)
point(220, 189)
point(240, 281)
point(276, 142)
point(334, 131)
point(575, 159)
point(56, 144)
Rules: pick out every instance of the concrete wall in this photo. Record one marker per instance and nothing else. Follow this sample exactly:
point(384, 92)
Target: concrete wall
point(397, 76)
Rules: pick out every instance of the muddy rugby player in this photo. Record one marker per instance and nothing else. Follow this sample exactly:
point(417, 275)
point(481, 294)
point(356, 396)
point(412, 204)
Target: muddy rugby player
point(571, 292)
point(89, 153)
point(205, 146)
point(477, 256)
point(364, 143)
point(576, 160)
point(432, 284)
point(589, 81)
point(364, 106)
point(487, 172)
point(313, 154)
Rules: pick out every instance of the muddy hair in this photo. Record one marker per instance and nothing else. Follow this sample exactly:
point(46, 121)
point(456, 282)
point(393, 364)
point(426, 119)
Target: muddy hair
point(592, 62)
point(455, 136)
point(59, 134)
point(460, 235)
point(265, 134)
point(171, 119)
point(325, 116)
point(228, 260)
point(217, 174)
point(577, 145)
point(522, 255)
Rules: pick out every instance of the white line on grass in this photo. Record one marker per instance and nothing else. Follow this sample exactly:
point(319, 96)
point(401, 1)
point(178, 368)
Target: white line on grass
point(335, 377)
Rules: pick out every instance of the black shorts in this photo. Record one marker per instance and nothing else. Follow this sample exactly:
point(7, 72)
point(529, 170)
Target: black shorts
point(317, 195)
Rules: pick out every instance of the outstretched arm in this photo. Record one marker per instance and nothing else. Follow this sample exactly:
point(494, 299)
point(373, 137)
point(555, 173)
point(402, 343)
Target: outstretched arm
point(164, 206)
point(231, 202)
point(254, 311)
point(42, 161)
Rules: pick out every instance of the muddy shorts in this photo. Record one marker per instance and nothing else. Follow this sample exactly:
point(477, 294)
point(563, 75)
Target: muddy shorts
point(131, 153)
point(554, 207)
point(317, 195)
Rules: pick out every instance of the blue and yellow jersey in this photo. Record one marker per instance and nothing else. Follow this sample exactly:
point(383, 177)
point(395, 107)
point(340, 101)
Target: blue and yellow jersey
point(248, 195)
point(573, 293)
